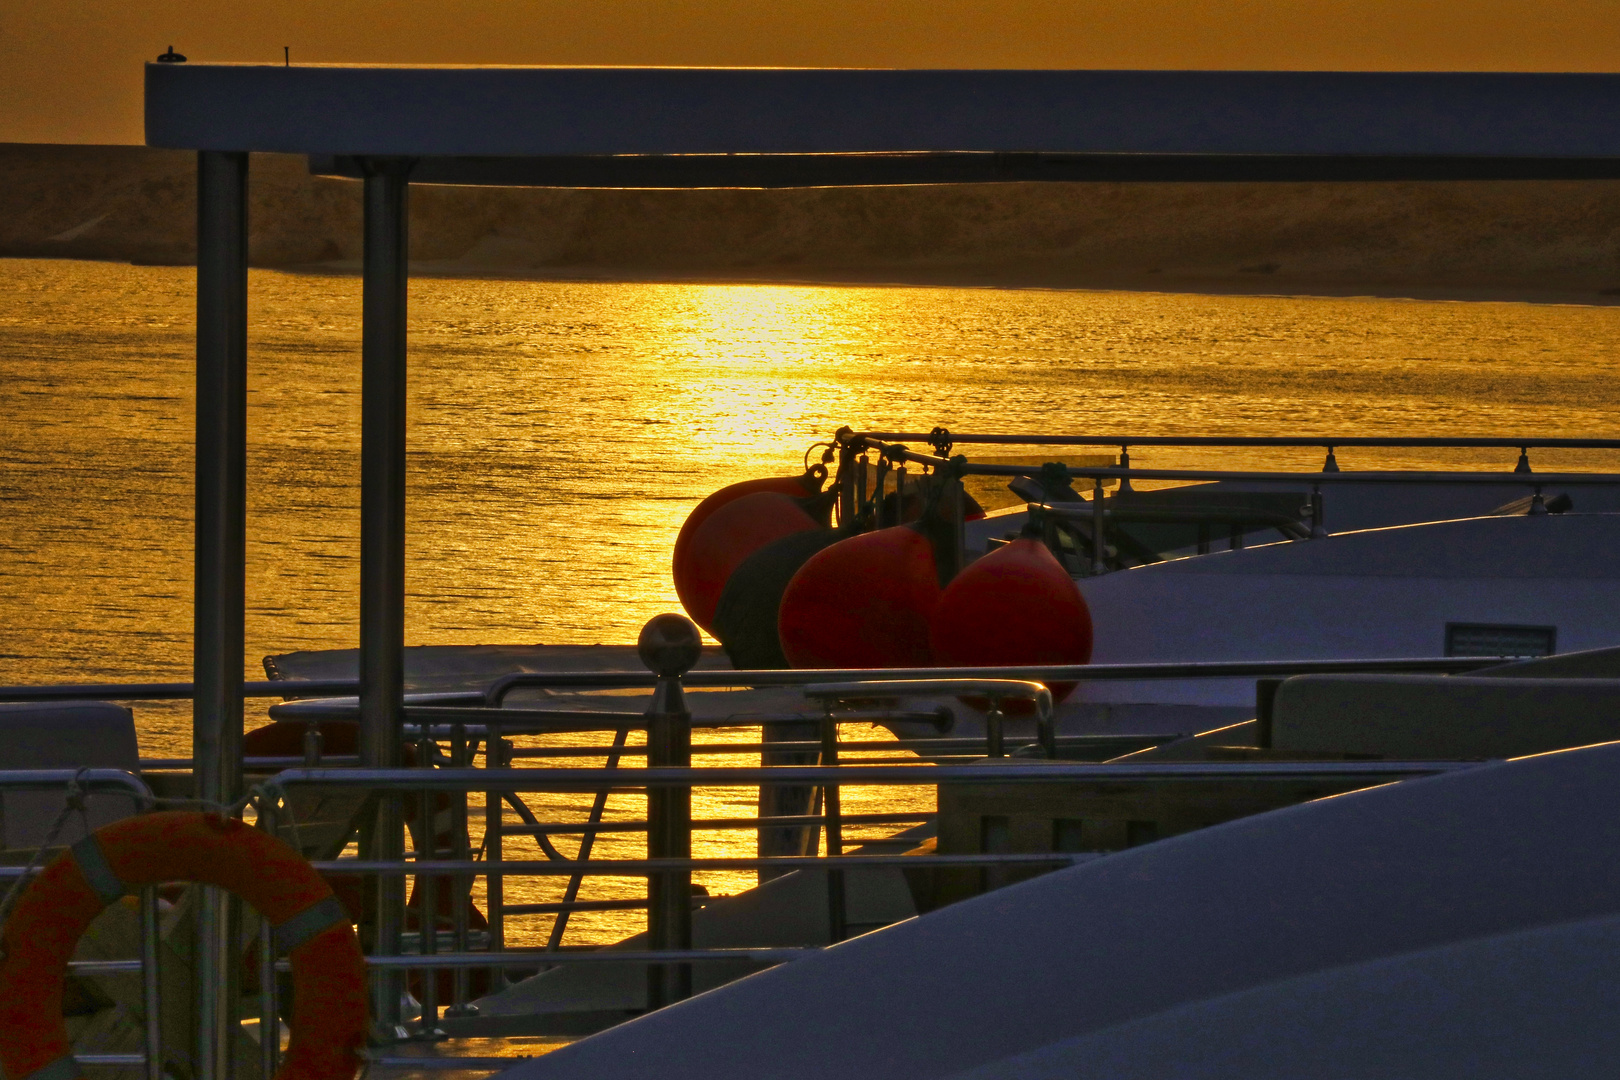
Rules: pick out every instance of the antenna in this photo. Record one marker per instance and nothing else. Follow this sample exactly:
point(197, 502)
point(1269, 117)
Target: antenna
point(286, 56)
point(171, 57)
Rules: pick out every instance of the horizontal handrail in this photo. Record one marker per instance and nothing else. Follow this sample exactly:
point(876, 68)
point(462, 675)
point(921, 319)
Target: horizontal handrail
point(1323, 441)
point(172, 691)
point(644, 867)
point(1203, 669)
point(442, 717)
point(101, 781)
point(1261, 476)
point(1031, 771)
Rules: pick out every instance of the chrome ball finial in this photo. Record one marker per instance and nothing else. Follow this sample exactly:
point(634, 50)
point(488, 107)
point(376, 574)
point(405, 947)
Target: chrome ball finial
point(669, 645)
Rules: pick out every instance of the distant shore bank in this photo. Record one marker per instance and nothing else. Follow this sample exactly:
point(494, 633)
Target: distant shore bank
point(1550, 242)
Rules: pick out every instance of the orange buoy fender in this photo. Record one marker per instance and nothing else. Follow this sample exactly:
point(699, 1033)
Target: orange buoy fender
point(794, 487)
point(730, 535)
point(329, 978)
point(865, 602)
point(1013, 606)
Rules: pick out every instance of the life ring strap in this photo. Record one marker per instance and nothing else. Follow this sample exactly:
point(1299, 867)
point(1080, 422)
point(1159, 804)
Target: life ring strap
point(97, 871)
point(63, 1068)
point(313, 920)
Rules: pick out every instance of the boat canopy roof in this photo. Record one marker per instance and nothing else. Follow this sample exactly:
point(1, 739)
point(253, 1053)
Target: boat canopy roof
point(780, 127)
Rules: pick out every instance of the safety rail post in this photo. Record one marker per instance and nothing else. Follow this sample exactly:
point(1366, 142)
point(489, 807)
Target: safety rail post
point(495, 751)
point(427, 890)
point(848, 502)
point(1099, 529)
point(832, 816)
point(460, 898)
point(669, 646)
point(994, 744)
point(151, 983)
point(269, 1003)
point(1318, 528)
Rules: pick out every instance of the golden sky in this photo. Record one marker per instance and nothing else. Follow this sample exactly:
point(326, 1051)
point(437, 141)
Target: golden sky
point(70, 70)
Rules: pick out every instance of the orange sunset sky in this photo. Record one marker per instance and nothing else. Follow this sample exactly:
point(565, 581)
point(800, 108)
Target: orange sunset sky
point(70, 70)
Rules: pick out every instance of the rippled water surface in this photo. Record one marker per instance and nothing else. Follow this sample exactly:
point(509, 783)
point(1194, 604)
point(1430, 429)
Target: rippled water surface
point(560, 431)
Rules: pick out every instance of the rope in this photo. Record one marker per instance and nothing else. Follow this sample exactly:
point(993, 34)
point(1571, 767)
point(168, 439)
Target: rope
point(75, 802)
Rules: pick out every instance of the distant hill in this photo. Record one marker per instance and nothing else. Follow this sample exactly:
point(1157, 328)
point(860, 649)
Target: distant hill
point(138, 204)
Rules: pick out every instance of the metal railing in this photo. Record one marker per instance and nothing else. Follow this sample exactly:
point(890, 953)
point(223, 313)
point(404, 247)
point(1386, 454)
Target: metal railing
point(115, 782)
point(669, 823)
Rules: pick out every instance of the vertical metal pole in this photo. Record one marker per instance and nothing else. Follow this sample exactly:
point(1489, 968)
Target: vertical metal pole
point(495, 751)
point(459, 759)
point(994, 744)
point(1099, 529)
point(832, 816)
point(669, 836)
point(269, 1004)
point(151, 998)
point(669, 645)
point(957, 556)
point(382, 543)
point(847, 502)
point(427, 890)
point(221, 543)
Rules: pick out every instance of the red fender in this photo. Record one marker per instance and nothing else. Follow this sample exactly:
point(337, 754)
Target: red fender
point(864, 602)
point(796, 487)
point(1014, 606)
point(729, 535)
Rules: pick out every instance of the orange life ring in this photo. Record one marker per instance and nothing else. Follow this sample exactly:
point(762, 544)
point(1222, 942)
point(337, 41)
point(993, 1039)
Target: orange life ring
point(329, 978)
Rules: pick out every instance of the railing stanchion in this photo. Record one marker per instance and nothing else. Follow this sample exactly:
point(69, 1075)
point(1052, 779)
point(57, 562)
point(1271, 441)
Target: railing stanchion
point(269, 1004)
point(669, 645)
point(460, 759)
point(994, 744)
point(1099, 529)
point(837, 899)
point(495, 883)
point(151, 999)
point(427, 890)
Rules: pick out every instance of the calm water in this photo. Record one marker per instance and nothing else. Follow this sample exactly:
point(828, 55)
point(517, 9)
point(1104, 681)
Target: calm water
point(561, 431)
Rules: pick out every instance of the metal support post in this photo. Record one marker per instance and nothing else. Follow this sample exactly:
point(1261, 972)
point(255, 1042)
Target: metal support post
point(220, 582)
point(382, 545)
point(669, 645)
point(459, 902)
point(956, 505)
point(427, 891)
point(151, 981)
point(1099, 529)
point(1125, 463)
point(269, 999)
point(837, 898)
point(495, 757)
point(847, 503)
point(994, 743)
point(1318, 529)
